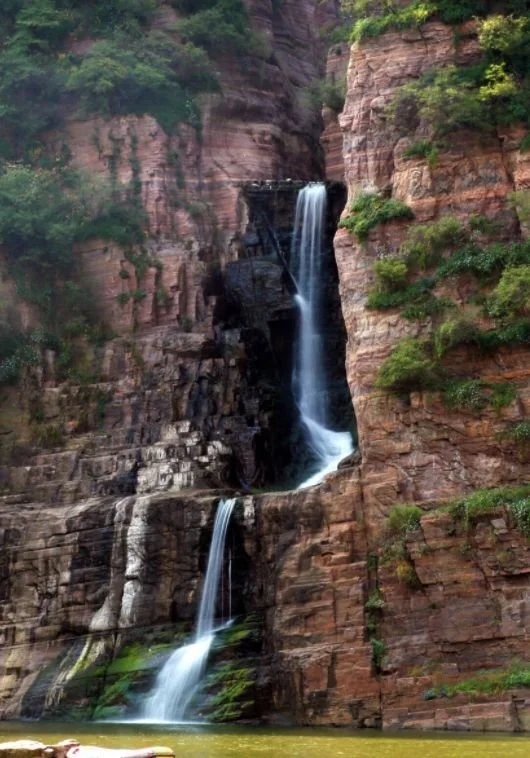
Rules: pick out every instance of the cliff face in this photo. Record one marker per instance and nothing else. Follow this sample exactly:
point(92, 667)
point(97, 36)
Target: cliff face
point(104, 536)
point(420, 450)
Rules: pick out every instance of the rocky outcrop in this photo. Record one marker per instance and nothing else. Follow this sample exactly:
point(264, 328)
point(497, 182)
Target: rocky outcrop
point(417, 449)
point(75, 579)
point(357, 637)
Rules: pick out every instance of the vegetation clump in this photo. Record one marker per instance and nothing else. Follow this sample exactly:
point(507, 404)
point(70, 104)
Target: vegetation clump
point(482, 502)
point(408, 367)
point(488, 682)
point(403, 519)
point(370, 209)
point(422, 149)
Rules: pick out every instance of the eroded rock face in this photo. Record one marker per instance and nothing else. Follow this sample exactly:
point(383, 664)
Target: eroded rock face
point(101, 541)
point(415, 448)
point(75, 579)
point(458, 605)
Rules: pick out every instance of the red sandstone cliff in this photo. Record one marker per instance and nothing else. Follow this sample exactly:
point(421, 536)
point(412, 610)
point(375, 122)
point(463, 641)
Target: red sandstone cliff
point(84, 561)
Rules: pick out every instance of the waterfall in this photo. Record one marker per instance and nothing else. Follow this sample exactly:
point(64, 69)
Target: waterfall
point(309, 380)
point(178, 680)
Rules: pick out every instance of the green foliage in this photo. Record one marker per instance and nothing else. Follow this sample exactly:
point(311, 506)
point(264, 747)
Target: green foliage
point(369, 210)
point(120, 222)
point(413, 15)
point(425, 243)
point(485, 262)
point(391, 273)
point(48, 436)
point(30, 91)
point(234, 684)
point(406, 573)
point(17, 351)
point(378, 653)
point(325, 92)
point(488, 682)
point(428, 307)
point(102, 17)
point(151, 75)
point(474, 395)
point(458, 330)
point(520, 201)
point(504, 34)
point(130, 68)
point(417, 292)
point(483, 502)
point(511, 297)
point(493, 92)
point(43, 213)
point(518, 433)
point(40, 215)
point(502, 395)
point(520, 511)
point(524, 145)
point(447, 98)
point(422, 149)
point(465, 394)
point(375, 601)
point(403, 519)
point(408, 367)
point(219, 26)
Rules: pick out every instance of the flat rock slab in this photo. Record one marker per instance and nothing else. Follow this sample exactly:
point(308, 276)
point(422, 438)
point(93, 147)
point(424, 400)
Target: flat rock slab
point(22, 749)
point(71, 749)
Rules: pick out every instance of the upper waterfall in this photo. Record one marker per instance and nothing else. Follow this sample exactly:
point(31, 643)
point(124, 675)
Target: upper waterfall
point(309, 379)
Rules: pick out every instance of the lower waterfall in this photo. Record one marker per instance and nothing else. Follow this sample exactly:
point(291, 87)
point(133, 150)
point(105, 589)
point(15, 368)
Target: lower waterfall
point(178, 680)
point(309, 380)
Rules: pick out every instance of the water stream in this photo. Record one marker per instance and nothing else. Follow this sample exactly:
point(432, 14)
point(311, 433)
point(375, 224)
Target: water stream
point(235, 742)
point(309, 380)
point(179, 678)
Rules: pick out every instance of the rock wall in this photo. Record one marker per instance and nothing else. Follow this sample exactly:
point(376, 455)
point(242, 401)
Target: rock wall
point(458, 605)
point(105, 537)
point(418, 450)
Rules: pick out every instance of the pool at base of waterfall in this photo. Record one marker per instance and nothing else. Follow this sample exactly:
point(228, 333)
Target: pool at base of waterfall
point(200, 741)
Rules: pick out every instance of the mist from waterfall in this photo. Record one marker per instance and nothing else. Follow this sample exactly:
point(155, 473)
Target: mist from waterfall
point(309, 380)
point(178, 680)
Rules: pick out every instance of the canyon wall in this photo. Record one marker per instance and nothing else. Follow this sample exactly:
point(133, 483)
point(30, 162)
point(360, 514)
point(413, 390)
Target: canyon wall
point(454, 603)
point(104, 536)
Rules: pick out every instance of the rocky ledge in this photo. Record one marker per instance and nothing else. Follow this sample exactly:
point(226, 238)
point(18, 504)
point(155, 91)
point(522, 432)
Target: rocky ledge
point(72, 749)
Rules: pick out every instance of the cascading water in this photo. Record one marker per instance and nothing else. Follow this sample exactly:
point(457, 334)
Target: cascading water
point(309, 381)
point(178, 680)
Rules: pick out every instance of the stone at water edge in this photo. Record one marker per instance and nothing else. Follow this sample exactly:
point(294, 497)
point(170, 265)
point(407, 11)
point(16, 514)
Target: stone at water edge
point(72, 749)
point(22, 749)
point(90, 751)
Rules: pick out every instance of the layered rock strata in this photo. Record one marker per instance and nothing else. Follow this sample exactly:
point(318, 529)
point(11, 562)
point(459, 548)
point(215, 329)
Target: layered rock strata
point(418, 449)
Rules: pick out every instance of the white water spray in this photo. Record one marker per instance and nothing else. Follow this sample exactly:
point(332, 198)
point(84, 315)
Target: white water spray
point(178, 680)
point(309, 380)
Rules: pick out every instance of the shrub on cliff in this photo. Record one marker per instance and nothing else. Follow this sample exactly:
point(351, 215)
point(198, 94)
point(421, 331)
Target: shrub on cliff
point(395, 18)
point(425, 244)
point(154, 76)
point(391, 273)
point(219, 26)
point(408, 367)
point(42, 214)
point(459, 330)
point(447, 98)
point(370, 209)
point(403, 519)
point(422, 149)
point(511, 297)
point(30, 90)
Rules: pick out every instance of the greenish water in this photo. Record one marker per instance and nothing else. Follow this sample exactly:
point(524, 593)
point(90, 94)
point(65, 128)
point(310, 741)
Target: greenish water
point(205, 742)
